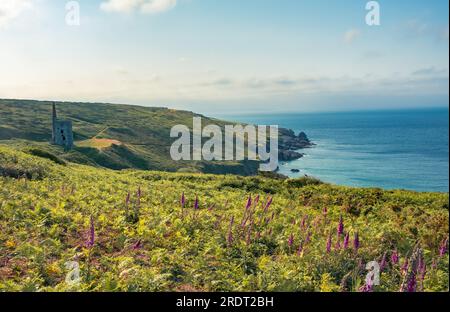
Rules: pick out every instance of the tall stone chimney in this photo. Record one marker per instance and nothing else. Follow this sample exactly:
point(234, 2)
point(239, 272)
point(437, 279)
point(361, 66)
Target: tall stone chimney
point(54, 124)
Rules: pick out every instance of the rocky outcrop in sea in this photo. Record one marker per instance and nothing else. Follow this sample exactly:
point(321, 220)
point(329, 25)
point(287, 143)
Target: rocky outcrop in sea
point(290, 143)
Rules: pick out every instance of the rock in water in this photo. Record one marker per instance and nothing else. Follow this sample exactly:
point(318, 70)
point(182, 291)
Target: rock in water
point(289, 155)
point(289, 143)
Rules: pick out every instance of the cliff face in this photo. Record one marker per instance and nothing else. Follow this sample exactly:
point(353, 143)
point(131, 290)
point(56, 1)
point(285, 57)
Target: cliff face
point(290, 143)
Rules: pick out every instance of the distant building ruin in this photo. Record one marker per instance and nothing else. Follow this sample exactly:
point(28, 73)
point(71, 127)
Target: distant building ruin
point(61, 131)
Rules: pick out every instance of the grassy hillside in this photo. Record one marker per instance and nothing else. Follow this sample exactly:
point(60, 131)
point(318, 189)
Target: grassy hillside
point(130, 231)
point(108, 135)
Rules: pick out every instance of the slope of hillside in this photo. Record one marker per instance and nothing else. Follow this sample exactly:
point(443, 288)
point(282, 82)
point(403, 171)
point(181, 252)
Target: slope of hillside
point(154, 231)
point(108, 135)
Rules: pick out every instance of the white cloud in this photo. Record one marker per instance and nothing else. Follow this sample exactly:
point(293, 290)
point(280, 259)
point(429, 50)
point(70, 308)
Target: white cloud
point(11, 9)
point(144, 6)
point(119, 5)
point(157, 6)
point(351, 35)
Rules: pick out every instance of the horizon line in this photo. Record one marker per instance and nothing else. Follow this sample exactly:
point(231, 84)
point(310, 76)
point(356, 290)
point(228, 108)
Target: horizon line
point(254, 112)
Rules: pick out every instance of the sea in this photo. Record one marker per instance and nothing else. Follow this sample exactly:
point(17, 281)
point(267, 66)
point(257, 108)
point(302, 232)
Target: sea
point(390, 149)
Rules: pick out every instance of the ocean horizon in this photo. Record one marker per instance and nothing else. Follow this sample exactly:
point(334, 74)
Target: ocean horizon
point(389, 149)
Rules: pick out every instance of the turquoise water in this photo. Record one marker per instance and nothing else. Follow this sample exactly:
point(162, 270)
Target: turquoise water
point(405, 149)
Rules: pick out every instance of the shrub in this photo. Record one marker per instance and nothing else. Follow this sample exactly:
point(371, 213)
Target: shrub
point(47, 155)
point(18, 165)
point(303, 181)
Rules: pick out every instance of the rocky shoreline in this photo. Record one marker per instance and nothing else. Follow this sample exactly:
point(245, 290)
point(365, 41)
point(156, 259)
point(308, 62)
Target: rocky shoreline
point(290, 143)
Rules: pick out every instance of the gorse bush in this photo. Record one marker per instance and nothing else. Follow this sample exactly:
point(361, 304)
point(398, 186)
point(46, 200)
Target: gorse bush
point(303, 181)
point(156, 231)
point(19, 165)
point(45, 154)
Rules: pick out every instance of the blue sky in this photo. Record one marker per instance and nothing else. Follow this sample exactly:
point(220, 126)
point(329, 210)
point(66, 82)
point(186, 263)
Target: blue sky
point(228, 55)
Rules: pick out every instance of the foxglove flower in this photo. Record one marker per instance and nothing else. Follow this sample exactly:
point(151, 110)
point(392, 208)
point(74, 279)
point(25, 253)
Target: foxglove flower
point(137, 245)
point(340, 229)
point(423, 271)
point(291, 240)
point(308, 238)
point(394, 257)
point(346, 240)
point(256, 201)
point(269, 202)
point(421, 267)
point(230, 238)
point(196, 205)
point(272, 216)
point(356, 242)
point(138, 201)
point(412, 283)
point(420, 263)
point(329, 243)
point(325, 211)
point(366, 288)
point(383, 261)
point(183, 200)
point(405, 266)
point(300, 249)
point(303, 223)
point(244, 219)
point(249, 203)
point(230, 232)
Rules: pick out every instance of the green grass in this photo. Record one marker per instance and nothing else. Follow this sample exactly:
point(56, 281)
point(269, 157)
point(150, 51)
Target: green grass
point(150, 243)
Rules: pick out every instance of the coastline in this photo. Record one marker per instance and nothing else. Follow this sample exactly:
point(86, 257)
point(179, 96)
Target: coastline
point(396, 149)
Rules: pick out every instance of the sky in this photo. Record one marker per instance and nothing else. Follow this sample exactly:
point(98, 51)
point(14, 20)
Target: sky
point(227, 55)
